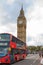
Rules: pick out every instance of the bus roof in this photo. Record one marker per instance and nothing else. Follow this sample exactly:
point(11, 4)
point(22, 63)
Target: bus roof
point(14, 37)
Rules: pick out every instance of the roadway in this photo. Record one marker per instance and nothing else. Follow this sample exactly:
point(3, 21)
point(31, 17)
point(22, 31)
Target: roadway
point(31, 59)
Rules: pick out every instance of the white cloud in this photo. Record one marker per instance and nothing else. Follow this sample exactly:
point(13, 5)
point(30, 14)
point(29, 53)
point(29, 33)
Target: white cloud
point(34, 17)
point(35, 23)
point(27, 1)
point(40, 2)
point(10, 2)
point(39, 39)
point(9, 28)
point(31, 43)
point(12, 28)
point(3, 13)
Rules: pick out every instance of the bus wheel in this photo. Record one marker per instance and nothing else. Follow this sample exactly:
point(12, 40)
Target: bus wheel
point(16, 59)
point(23, 57)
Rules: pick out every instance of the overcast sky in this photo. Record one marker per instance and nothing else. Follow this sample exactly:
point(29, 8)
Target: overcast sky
point(9, 11)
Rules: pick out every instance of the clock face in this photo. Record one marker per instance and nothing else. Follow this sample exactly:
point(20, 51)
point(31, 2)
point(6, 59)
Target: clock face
point(20, 22)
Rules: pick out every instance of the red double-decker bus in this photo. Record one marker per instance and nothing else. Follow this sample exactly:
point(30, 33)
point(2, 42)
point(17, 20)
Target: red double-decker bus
point(11, 48)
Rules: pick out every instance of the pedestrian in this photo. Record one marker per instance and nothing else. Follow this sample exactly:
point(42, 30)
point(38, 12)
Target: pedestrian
point(40, 53)
point(41, 62)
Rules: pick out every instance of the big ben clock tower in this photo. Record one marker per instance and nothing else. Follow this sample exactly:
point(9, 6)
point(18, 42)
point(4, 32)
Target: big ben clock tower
point(21, 26)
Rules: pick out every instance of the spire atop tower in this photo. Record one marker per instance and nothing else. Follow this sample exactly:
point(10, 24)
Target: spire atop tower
point(22, 7)
point(22, 11)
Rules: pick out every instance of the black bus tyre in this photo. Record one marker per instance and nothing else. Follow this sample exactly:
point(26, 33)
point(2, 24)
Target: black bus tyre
point(15, 59)
point(23, 57)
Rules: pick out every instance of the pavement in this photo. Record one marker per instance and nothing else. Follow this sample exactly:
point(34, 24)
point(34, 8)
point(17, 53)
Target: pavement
point(31, 59)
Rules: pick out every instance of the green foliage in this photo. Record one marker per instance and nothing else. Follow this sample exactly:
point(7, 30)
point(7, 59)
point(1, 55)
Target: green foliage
point(34, 48)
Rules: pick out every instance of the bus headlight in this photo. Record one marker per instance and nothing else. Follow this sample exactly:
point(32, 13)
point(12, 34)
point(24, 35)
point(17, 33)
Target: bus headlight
point(9, 49)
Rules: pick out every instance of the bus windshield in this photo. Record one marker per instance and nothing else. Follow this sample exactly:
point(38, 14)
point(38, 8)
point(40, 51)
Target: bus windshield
point(4, 37)
point(4, 45)
point(3, 51)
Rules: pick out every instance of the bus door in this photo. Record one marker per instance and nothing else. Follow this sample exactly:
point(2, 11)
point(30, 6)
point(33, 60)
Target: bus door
point(17, 54)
